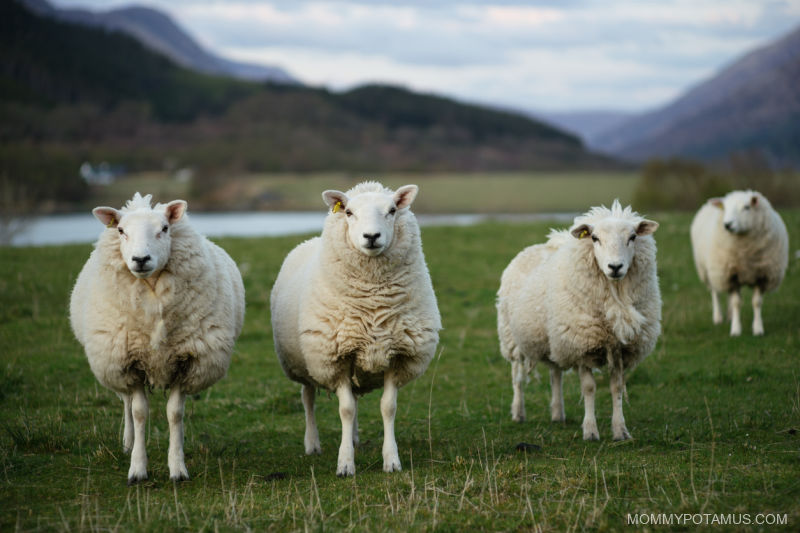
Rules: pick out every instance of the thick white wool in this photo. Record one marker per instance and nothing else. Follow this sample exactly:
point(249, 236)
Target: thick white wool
point(556, 305)
point(339, 315)
point(178, 332)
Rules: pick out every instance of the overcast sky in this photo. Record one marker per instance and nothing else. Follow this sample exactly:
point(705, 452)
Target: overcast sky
point(545, 55)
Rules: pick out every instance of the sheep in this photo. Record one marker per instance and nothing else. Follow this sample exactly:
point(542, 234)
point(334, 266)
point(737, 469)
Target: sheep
point(739, 240)
point(156, 305)
point(586, 298)
point(354, 310)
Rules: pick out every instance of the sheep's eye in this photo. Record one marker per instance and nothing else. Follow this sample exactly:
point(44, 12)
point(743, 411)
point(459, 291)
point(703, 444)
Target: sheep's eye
point(633, 238)
point(348, 213)
point(121, 231)
point(747, 208)
point(392, 211)
point(165, 228)
point(595, 239)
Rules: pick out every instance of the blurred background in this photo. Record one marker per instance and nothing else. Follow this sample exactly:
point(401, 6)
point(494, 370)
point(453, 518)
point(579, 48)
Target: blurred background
point(492, 107)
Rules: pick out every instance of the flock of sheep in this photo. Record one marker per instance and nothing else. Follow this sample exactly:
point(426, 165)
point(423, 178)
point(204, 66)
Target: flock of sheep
point(353, 310)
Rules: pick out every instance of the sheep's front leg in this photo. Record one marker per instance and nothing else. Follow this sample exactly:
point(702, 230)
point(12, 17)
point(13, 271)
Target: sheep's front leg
point(734, 306)
point(175, 409)
point(518, 379)
point(617, 385)
point(139, 409)
point(758, 324)
point(391, 459)
point(716, 311)
point(311, 439)
point(127, 416)
point(347, 411)
point(588, 388)
point(556, 396)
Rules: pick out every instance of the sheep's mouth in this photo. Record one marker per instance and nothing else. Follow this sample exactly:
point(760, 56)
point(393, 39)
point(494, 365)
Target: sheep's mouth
point(141, 272)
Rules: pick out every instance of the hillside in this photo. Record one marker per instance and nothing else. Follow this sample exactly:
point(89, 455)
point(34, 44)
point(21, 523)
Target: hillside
point(158, 32)
point(752, 105)
point(85, 94)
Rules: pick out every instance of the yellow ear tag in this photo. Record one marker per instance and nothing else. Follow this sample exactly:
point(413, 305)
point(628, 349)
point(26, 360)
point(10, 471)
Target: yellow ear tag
point(584, 233)
point(110, 224)
point(337, 207)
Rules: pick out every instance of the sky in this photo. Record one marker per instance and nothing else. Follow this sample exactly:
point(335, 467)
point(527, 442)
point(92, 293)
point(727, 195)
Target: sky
point(548, 55)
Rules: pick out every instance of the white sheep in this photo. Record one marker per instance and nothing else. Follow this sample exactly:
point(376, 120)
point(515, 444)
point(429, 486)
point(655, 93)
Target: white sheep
point(588, 297)
point(156, 305)
point(354, 310)
point(739, 240)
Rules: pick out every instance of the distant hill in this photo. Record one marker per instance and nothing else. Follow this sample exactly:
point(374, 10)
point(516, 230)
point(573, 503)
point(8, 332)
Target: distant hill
point(157, 31)
point(588, 125)
point(86, 94)
point(753, 105)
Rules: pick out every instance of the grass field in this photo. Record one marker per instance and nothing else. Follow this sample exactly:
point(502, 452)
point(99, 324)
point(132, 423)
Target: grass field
point(715, 420)
point(502, 192)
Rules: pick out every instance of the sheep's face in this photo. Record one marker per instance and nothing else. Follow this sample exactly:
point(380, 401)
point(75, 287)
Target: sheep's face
point(370, 216)
point(740, 210)
point(144, 234)
point(614, 243)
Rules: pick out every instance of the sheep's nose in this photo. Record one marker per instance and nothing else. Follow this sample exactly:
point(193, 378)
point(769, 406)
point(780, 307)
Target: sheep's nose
point(729, 226)
point(371, 237)
point(140, 260)
point(615, 267)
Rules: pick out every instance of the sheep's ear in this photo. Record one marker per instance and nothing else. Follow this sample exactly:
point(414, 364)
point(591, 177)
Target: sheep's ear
point(109, 216)
point(584, 230)
point(646, 227)
point(405, 195)
point(717, 202)
point(336, 200)
point(175, 210)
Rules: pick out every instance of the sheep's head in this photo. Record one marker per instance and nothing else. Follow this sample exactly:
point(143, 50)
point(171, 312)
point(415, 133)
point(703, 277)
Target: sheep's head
point(741, 210)
point(370, 214)
point(144, 232)
point(613, 236)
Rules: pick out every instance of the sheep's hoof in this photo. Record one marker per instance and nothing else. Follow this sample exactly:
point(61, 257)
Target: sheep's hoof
point(623, 436)
point(136, 478)
point(346, 470)
point(313, 449)
point(558, 418)
point(518, 418)
point(392, 465)
point(758, 332)
point(183, 476)
point(591, 434)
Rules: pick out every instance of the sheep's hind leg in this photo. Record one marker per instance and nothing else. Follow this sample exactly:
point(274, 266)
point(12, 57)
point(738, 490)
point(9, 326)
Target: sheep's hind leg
point(617, 385)
point(346, 465)
point(127, 417)
point(391, 459)
point(175, 409)
point(716, 311)
point(734, 306)
point(518, 379)
point(139, 408)
point(588, 388)
point(311, 439)
point(355, 425)
point(758, 324)
point(556, 396)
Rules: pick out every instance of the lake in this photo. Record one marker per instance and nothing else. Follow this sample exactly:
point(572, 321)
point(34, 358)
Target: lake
point(84, 228)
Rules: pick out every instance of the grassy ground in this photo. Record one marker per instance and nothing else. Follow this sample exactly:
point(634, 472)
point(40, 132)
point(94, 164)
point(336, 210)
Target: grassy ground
point(715, 420)
point(506, 192)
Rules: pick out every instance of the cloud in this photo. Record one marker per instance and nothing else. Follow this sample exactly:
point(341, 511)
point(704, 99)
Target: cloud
point(548, 54)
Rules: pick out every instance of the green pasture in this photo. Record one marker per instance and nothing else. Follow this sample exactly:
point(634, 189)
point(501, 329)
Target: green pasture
point(715, 420)
point(500, 192)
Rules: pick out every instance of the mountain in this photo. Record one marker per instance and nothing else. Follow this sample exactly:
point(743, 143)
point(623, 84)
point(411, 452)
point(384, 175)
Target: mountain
point(753, 105)
point(160, 33)
point(82, 93)
point(588, 125)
